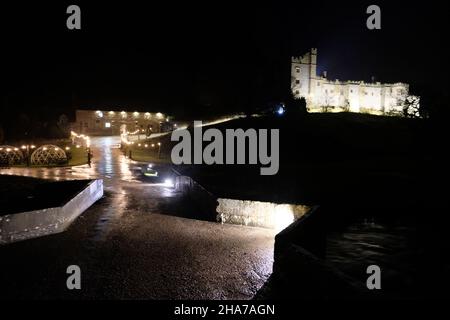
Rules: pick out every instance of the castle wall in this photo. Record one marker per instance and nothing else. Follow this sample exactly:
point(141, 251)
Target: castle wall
point(322, 94)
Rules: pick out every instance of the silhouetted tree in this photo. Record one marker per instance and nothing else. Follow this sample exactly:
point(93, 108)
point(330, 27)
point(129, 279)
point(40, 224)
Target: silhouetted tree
point(295, 106)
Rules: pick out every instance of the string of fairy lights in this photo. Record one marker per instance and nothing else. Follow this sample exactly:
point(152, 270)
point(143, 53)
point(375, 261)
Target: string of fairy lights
point(84, 140)
point(126, 141)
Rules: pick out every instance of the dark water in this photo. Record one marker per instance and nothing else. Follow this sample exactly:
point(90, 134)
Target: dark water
point(394, 247)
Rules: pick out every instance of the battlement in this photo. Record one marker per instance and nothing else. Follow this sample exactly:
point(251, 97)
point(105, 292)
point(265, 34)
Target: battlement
point(306, 58)
point(350, 95)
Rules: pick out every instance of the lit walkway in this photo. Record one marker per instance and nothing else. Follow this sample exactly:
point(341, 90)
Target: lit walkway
point(132, 244)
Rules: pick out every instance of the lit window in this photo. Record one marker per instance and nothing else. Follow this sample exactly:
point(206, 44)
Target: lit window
point(107, 124)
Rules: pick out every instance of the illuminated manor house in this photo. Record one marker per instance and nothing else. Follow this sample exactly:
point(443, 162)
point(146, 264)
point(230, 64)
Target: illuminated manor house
point(323, 95)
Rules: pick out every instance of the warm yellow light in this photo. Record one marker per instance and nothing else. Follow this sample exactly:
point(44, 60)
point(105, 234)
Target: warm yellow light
point(146, 145)
point(44, 148)
point(8, 149)
point(136, 114)
point(67, 148)
point(33, 146)
point(153, 145)
point(78, 145)
point(139, 144)
point(159, 115)
point(284, 216)
point(159, 143)
point(24, 147)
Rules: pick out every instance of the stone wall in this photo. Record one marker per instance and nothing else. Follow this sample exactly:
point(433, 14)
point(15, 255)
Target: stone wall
point(299, 270)
point(37, 223)
point(204, 201)
point(259, 214)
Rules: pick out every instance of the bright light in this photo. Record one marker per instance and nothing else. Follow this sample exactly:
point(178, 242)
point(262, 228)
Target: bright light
point(67, 148)
point(123, 114)
point(147, 115)
point(99, 114)
point(136, 114)
point(44, 148)
point(146, 146)
point(107, 124)
point(153, 145)
point(24, 147)
point(8, 149)
point(150, 165)
point(280, 110)
point(139, 144)
point(168, 183)
point(159, 143)
point(32, 147)
point(78, 145)
point(284, 216)
point(159, 115)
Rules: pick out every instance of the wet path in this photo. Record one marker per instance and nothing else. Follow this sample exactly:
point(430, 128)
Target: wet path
point(131, 244)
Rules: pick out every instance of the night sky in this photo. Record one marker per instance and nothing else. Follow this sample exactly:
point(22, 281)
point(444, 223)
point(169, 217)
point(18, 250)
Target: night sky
point(208, 56)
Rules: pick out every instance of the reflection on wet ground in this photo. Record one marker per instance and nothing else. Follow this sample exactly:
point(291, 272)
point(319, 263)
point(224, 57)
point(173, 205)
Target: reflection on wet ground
point(135, 243)
point(392, 247)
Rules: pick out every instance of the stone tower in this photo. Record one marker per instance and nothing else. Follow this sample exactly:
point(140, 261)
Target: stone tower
point(303, 74)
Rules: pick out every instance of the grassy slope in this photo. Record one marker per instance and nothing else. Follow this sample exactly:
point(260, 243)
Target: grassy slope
point(329, 158)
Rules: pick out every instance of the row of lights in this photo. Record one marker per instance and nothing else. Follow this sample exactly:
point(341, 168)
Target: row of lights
point(146, 145)
point(124, 138)
point(123, 114)
point(33, 147)
point(81, 136)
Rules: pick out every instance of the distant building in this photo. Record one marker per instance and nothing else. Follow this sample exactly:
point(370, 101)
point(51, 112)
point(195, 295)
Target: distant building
point(323, 95)
point(111, 122)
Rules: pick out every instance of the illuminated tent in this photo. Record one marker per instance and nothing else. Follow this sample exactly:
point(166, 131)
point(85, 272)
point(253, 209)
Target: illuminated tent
point(48, 154)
